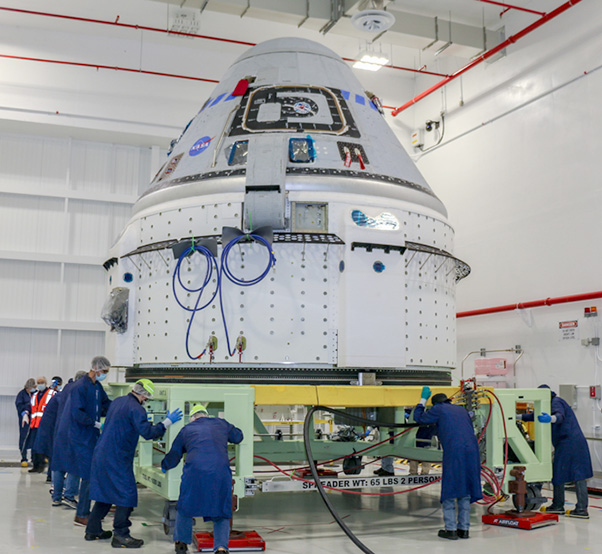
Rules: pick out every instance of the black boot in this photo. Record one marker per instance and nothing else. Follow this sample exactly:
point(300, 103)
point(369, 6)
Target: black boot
point(126, 542)
point(445, 534)
point(103, 535)
point(181, 546)
point(383, 472)
point(553, 509)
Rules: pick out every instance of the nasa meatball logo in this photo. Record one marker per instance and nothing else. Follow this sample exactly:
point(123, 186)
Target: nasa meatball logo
point(200, 146)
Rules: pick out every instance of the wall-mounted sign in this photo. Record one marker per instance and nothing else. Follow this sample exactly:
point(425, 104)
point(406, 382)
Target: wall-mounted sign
point(569, 330)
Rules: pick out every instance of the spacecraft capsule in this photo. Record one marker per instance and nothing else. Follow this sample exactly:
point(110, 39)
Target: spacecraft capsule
point(288, 235)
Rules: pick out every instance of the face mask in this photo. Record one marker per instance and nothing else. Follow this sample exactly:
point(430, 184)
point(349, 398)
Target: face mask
point(41, 387)
point(33, 390)
point(101, 376)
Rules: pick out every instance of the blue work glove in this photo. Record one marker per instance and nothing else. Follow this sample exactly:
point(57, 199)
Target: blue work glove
point(426, 393)
point(163, 470)
point(544, 418)
point(175, 416)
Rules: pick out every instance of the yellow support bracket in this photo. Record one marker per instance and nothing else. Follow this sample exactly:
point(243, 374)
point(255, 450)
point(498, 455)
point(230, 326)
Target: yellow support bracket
point(347, 396)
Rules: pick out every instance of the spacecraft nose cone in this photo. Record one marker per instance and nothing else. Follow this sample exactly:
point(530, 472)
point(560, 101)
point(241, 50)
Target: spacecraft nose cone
point(289, 45)
point(290, 114)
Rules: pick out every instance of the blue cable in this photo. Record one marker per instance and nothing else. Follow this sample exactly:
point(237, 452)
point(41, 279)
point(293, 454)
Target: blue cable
point(211, 262)
point(225, 270)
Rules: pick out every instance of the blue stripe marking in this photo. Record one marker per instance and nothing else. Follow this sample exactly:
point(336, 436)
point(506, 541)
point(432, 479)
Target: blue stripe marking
point(360, 99)
point(345, 94)
point(230, 98)
point(372, 105)
point(217, 100)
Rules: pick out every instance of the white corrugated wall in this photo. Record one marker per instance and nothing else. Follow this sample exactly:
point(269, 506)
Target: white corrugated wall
point(62, 204)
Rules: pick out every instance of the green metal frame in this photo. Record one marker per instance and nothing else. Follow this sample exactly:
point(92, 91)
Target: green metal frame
point(234, 401)
point(538, 462)
point(236, 404)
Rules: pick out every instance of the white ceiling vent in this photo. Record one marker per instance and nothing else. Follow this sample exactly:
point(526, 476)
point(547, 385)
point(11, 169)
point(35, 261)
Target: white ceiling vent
point(373, 21)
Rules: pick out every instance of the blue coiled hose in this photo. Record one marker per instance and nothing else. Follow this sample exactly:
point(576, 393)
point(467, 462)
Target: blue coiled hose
point(211, 263)
point(222, 270)
point(225, 270)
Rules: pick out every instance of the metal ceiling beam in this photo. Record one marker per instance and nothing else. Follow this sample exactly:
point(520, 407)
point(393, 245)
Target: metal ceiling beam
point(410, 29)
point(492, 52)
point(438, 29)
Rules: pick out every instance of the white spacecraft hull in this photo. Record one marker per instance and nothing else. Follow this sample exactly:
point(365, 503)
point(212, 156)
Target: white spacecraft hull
point(364, 276)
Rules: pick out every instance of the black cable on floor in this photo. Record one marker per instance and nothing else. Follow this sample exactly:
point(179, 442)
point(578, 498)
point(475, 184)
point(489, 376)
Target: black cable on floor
point(314, 470)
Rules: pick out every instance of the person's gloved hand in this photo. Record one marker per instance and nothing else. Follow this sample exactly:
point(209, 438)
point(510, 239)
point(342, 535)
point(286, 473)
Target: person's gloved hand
point(98, 425)
point(544, 418)
point(25, 420)
point(172, 417)
point(426, 393)
point(175, 416)
point(163, 470)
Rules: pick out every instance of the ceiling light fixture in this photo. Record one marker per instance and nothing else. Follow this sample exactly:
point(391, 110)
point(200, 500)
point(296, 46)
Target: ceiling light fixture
point(370, 61)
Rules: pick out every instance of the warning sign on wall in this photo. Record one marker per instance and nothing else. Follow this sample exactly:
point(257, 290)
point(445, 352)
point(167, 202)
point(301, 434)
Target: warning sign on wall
point(569, 330)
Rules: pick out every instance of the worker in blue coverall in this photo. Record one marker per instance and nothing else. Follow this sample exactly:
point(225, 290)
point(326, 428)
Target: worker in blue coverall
point(79, 429)
point(461, 479)
point(572, 461)
point(112, 478)
point(424, 437)
point(206, 488)
point(45, 444)
point(23, 404)
point(45, 435)
point(39, 401)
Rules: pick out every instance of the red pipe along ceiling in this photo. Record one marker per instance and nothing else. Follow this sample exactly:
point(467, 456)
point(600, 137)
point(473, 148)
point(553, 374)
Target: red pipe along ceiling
point(113, 67)
point(533, 304)
point(178, 33)
point(488, 54)
point(510, 7)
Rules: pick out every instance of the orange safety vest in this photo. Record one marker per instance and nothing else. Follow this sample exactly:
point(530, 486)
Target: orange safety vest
point(38, 405)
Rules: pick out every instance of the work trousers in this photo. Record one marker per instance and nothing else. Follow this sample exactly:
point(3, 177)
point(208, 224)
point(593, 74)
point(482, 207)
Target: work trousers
point(70, 484)
point(24, 441)
point(121, 522)
point(426, 467)
point(580, 489)
point(39, 460)
point(221, 531)
point(83, 502)
point(459, 519)
point(386, 464)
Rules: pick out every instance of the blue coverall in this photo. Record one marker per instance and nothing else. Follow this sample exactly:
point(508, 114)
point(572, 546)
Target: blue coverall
point(461, 479)
point(206, 488)
point(112, 478)
point(77, 435)
point(572, 461)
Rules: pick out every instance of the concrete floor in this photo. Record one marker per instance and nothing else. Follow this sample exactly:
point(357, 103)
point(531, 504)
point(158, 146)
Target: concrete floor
point(291, 523)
